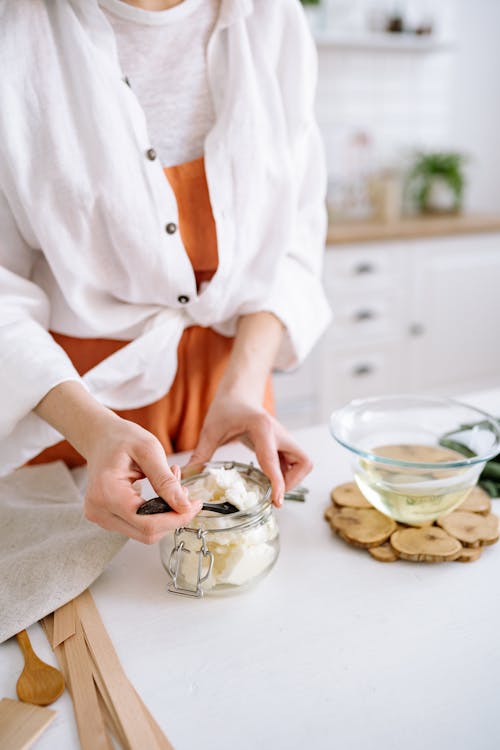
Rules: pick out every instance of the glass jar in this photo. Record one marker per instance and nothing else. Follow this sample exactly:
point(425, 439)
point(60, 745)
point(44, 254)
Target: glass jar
point(223, 553)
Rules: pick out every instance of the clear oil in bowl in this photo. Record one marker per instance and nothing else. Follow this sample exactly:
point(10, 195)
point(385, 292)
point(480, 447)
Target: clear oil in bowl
point(415, 495)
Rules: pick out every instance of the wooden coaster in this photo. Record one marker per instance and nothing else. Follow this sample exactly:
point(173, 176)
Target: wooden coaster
point(363, 527)
point(477, 501)
point(349, 495)
point(459, 536)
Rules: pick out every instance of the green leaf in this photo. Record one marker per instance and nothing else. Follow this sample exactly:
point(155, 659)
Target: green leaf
point(454, 445)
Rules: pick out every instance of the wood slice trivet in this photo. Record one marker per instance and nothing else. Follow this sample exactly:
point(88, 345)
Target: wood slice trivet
point(349, 495)
point(460, 536)
point(429, 544)
point(477, 501)
point(363, 527)
point(472, 529)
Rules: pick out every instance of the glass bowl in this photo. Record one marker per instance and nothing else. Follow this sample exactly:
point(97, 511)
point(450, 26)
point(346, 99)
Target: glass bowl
point(415, 458)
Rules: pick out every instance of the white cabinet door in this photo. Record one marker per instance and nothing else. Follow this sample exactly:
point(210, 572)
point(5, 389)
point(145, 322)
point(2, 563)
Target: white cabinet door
point(369, 371)
point(415, 315)
point(456, 312)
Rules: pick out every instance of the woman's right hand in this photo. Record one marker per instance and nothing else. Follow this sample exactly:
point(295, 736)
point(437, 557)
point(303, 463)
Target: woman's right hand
point(118, 453)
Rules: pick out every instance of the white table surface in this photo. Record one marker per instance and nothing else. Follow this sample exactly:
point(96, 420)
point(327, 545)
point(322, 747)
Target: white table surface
point(331, 651)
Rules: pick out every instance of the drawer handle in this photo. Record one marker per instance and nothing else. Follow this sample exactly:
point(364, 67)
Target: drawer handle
point(362, 315)
point(363, 268)
point(417, 329)
point(361, 370)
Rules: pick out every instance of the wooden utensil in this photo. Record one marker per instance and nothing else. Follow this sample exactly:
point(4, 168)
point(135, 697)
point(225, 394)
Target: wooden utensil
point(20, 725)
point(39, 683)
point(136, 726)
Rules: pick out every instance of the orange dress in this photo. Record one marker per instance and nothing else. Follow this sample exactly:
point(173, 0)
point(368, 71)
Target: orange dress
point(177, 418)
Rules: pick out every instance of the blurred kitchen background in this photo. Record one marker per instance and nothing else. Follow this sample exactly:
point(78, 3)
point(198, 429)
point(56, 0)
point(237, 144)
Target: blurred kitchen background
point(409, 107)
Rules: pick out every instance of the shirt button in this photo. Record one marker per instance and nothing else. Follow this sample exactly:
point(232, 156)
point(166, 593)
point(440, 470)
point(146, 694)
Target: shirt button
point(171, 228)
point(151, 154)
point(183, 299)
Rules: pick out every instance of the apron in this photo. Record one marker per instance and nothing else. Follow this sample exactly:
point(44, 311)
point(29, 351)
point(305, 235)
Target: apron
point(177, 418)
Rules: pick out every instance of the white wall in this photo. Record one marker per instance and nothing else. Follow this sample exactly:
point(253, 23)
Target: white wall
point(475, 109)
point(408, 100)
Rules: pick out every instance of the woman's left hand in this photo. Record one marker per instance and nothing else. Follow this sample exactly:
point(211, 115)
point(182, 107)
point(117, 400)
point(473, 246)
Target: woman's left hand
point(280, 458)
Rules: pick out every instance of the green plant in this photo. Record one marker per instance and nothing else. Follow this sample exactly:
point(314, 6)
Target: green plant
point(310, 2)
point(448, 167)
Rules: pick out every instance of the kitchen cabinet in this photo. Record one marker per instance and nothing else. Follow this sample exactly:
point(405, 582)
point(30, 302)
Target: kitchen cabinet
point(415, 315)
point(456, 308)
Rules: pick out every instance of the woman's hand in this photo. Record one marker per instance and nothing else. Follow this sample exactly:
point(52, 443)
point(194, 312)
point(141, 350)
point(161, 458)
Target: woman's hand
point(121, 453)
point(118, 453)
point(236, 410)
point(280, 458)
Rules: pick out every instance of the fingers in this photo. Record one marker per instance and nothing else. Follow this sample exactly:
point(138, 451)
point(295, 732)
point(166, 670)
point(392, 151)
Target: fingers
point(279, 456)
point(295, 464)
point(144, 529)
point(294, 469)
point(264, 441)
point(207, 445)
point(151, 458)
point(112, 503)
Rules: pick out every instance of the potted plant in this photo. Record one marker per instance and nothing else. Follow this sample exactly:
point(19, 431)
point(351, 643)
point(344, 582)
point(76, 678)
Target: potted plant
point(436, 182)
point(313, 11)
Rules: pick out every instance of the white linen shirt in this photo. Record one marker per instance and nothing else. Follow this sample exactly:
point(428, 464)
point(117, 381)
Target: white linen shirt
point(84, 248)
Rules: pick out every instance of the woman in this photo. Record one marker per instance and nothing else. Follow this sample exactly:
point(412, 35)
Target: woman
point(162, 225)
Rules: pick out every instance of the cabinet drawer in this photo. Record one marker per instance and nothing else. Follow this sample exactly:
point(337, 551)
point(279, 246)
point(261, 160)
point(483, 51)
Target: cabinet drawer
point(359, 374)
point(361, 268)
point(366, 318)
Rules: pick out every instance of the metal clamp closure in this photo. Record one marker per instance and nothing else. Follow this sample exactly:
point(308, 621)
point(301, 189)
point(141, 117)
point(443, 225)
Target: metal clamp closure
point(174, 564)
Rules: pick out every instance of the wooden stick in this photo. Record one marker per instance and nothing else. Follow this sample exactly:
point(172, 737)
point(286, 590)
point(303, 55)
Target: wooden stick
point(110, 723)
point(108, 703)
point(47, 624)
point(22, 723)
point(64, 623)
point(162, 740)
point(136, 727)
point(105, 704)
point(89, 719)
point(108, 710)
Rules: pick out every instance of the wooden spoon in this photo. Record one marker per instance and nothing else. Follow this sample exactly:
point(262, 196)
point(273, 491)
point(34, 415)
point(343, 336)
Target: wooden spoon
point(39, 683)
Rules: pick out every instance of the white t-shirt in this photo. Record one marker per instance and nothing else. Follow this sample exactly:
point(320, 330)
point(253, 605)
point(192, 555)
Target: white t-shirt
point(163, 55)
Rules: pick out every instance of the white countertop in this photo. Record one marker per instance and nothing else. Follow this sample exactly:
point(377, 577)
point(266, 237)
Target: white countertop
point(333, 650)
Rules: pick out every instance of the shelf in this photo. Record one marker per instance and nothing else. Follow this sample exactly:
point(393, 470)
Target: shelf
point(342, 232)
point(382, 41)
